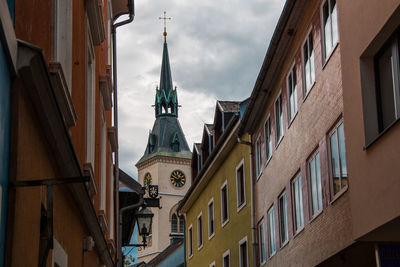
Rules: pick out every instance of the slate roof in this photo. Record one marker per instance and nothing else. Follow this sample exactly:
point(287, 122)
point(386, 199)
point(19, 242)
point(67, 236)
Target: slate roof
point(164, 129)
point(230, 106)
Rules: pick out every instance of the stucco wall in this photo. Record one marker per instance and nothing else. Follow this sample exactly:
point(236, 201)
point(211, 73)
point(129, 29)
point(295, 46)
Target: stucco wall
point(226, 237)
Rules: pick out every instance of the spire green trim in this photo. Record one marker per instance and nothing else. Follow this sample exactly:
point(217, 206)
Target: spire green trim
point(166, 101)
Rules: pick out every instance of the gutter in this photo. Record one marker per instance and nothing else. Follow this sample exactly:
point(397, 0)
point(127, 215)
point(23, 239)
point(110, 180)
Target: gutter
point(209, 160)
point(253, 213)
point(114, 27)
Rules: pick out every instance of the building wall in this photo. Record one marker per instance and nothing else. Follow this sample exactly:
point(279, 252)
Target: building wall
point(318, 112)
point(374, 171)
point(226, 237)
point(160, 169)
point(32, 157)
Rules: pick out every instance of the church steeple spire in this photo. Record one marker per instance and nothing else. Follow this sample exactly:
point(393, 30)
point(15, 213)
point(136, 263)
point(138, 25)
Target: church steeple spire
point(166, 102)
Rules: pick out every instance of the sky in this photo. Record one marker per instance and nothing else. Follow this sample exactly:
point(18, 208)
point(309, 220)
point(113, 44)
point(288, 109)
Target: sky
point(216, 49)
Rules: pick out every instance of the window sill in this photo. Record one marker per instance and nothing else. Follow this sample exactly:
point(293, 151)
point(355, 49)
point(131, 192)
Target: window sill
point(330, 55)
point(225, 223)
point(339, 194)
point(380, 135)
point(279, 141)
point(298, 232)
point(292, 119)
point(211, 236)
point(306, 93)
point(268, 160)
point(263, 263)
point(284, 244)
point(259, 175)
point(316, 215)
point(199, 248)
point(241, 207)
point(190, 256)
point(273, 254)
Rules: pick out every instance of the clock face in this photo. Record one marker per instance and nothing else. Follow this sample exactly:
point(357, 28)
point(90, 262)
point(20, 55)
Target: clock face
point(147, 179)
point(178, 178)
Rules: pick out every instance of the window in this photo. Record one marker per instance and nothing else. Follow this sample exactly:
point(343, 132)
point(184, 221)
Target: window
point(243, 253)
point(278, 120)
point(283, 221)
point(240, 187)
point(111, 199)
point(63, 38)
point(308, 61)
point(258, 156)
point(224, 204)
point(292, 93)
point(298, 203)
point(174, 224)
point(271, 232)
point(103, 165)
point(226, 259)
point(212, 264)
point(261, 242)
point(199, 231)
point(90, 104)
point(330, 29)
point(198, 163)
point(315, 182)
point(338, 159)
point(181, 224)
point(268, 140)
point(211, 225)
point(387, 65)
point(190, 250)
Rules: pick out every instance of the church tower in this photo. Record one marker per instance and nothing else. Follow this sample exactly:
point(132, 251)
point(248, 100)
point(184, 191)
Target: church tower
point(166, 163)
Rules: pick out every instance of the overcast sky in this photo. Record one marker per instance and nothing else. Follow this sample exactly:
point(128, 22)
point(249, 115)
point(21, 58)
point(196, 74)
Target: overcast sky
point(216, 48)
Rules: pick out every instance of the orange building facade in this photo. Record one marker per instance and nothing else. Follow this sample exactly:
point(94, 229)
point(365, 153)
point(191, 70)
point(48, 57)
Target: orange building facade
point(63, 135)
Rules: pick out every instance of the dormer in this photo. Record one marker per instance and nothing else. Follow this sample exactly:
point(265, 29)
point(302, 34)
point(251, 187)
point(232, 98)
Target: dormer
point(224, 111)
point(196, 160)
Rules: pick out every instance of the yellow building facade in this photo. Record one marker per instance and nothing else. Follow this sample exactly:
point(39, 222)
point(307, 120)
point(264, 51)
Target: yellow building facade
point(217, 207)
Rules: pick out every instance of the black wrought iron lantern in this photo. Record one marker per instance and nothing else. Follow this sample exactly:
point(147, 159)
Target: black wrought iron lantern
point(144, 222)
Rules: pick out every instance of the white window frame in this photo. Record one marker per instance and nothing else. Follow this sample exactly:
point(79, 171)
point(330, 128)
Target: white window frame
point(281, 126)
point(308, 87)
point(312, 170)
point(258, 157)
point(190, 241)
point(212, 264)
point(103, 160)
point(226, 253)
point(268, 144)
point(271, 232)
point(111, 194)
point(242, 241)
point(211, 234)
point(292, 71)
point(59, 255)
point(227, 204)
point(285, 218)
point(261, 238)
point(325, 53)
point(200, 231)
point(335, 130)
point(240, 206)
point(300, 227)
point(62, 48)
point(90, 102)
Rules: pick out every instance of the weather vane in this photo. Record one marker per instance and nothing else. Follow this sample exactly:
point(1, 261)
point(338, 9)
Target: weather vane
point(165, 25)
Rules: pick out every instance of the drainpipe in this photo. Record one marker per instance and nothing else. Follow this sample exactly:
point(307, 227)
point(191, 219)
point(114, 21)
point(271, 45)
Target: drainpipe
point(253, 214)
point(116, 183)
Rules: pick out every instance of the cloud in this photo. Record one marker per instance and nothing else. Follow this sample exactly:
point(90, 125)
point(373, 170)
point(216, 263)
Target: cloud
point(216, 49)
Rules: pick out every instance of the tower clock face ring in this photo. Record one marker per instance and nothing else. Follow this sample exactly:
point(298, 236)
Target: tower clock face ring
point(178, 178)
point(147, 179)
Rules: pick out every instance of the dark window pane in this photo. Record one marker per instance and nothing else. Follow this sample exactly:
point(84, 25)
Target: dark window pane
point(174, 224)
point(226, 261)
point(243, 255)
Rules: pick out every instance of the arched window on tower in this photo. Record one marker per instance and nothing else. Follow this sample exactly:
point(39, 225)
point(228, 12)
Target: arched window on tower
point(174, 224)
point(181, 224)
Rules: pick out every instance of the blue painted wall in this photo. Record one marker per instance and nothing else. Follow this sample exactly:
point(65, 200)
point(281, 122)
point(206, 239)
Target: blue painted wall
point(5, 89)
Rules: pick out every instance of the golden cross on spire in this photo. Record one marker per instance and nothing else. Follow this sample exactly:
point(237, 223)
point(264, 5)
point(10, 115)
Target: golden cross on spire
point(165, 25)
